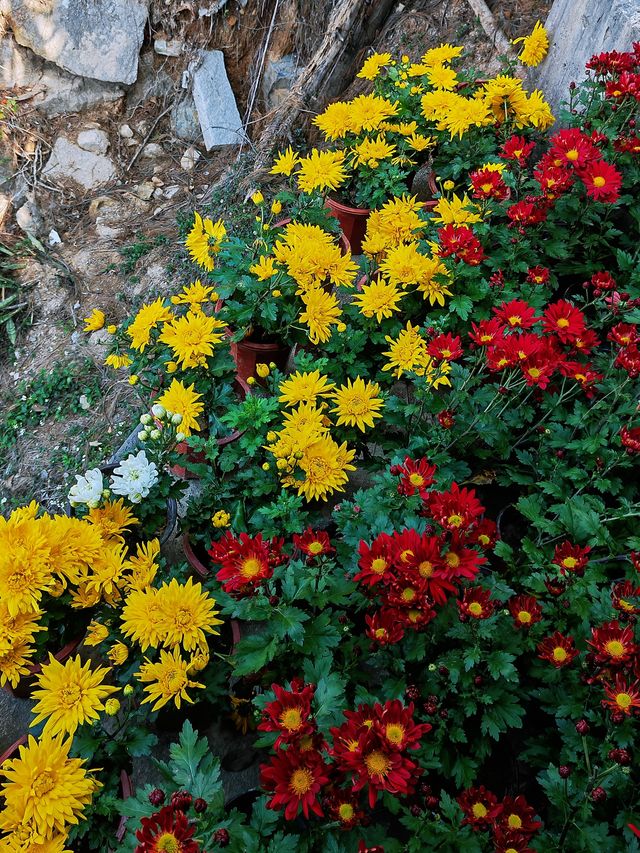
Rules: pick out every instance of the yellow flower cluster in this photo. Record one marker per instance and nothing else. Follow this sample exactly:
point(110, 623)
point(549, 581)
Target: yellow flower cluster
point(41, 556)
point(307, 457)
point(408, 354)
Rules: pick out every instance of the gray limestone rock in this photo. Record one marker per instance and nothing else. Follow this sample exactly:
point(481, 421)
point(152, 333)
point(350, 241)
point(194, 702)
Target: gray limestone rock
point(100, 39)
point(94, 140)
point(215, 102)
point(70, 162)
point(277, 79)
point(578, 29)
point(184, 121)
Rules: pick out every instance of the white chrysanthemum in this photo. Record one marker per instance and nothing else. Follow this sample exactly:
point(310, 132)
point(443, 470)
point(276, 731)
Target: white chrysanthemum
point(87, 489)
point(134, 477)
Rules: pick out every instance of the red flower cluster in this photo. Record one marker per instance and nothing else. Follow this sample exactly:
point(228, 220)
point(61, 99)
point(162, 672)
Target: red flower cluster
point(630, 438)
point(557, 649)
point(517, 148)
point(512, 822)
point(616, 658)
point(367, 752)
point(460, 242)
point(488, 183)
point(625, 335)
point(246, 561)
point(169, 826)
point(313, 543)
point(574, 154)
point(571, 558)
point(411, 572)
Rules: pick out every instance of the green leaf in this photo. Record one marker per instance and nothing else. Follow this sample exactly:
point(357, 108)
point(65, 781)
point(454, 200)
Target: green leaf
point(139, 742)
point(253, 652)
point(262, 818)
point(329, 699)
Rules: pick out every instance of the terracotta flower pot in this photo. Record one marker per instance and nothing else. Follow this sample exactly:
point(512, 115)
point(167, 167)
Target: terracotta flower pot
point(193, 559)
point(24, 688)
point(353, 222)
point(247, 354)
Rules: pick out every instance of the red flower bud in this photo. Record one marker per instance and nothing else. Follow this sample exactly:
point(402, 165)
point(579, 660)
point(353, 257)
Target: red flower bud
point(564, 771)
point(156, 797)
point(221, 837)
point(582, 727)
point(598, 795)
point(200, 805)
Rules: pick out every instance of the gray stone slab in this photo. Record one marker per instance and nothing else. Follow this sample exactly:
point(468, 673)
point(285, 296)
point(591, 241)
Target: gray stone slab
point(99, 39)
point(215, 102)
point(70, 162)
point(578, 29)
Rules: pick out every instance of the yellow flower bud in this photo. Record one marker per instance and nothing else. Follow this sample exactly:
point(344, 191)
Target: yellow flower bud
point(221, 519)
point(133, 378)
point(276, 293)
point(281, 464)
point(341, 327)
point(257, 197)
point(251, 380)
point(262, 370)
point(448, 185)
point(118, 653)
point(266, 227)
point(276, 207)
point(266, 466)
point(171, 367)
point(271, 435)
point(272, 365)
point(128, 690)
point(111, 707)
point(112, 329)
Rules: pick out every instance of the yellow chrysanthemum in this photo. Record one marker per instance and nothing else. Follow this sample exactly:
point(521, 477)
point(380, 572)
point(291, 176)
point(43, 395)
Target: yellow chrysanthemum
point(304, 388)
point(141, 617)
point(25, 570)
point(442, 77)
point(335, 121)
point(204, 240)
point(107, 570)
point(194, 294)
point(433, 281)
point(537, 111)
point(369, 111)
point(312, 257)
point(305, 418)
point(15, 662)
point(406, 352)
point(534, 46)
point(264, 269)
point(505, 97)
point(74, 545)
point(463, 114)
point(187, 614)
point(357, 403)
point(82, 598)
point(96, 633)
point(370, 151)
point(94, 321)
point(183, 401)
point(397, 221)
point(21, 627)
point(118, 654)
point(118, 361)
point(419, 142)
point(324, 465)
point(166, 680)
point(321, 170)
point(25, 839)
point(143, 567)
point(45, 789)
point(69, 695)
point(404, 264)
point(285, 162)
point(456, 210)
point(373, 65)
point(192, 338)
point(145, 321)
point(439, 55)
point(113, 519)
point(379, 299)
point(321, 312)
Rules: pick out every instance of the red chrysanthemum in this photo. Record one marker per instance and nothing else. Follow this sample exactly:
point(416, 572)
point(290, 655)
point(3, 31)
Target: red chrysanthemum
point(375, 560)
point(445, 347)
point(289, 714)
point(611, 62)
point(538, 275)
point(586, 341)
point(582, 373)
point(573, 148)
point(455, 509)
point(377, 767)
point(446, 419)
point(518, 149)
point(245, 561)
point(627, 144)
point(167, 829)
point(613, 644)
point(622, 697)
point(602, 181)
point(625, 597)
point(476, 602)
point(563, 319)
point(570, 557)
point(539, 368)
point(395, 725)
point(479, 805)
point(517, 816)
point(460, 242)
point(461, 562)
point(485, 534)
point(603, 281)
point(623, 334)
point(384, 628)
point(296, 778)
point(629, 360)
point(510, 842)
point(405, 590)
point(557, 649)
point(525, 611)
point(487, 332)
point(313, 543)
point(630, 439)
point(531, 210)
point(553, 181)
point(343, 806)
point(488, 183)
point(516, 314)
point(416, 475)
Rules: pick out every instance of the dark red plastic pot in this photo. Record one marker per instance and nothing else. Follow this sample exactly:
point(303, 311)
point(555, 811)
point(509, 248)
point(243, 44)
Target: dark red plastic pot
point(247, 354)
point(9, 752)
point(193, 559)
point(25, 686)
point(353, 222)
point(126, 791)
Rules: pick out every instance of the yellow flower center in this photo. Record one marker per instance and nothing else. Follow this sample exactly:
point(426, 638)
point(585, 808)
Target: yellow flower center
point(615, 648)
point(380, 633)
point(479, 810)
point(626, 605)
point(514, 320)
point(475, 609)
point(70, 695)
point(345, 811)
point(43, 784)
point(572, 154)
point(301, 781)
point(455, 520)
point(599, 181)
point(168, 843)
point(524, 616)
point(173, 681)
point(426, 569)
point(486, 188)
point(184, 618)
point(452, 560)
point(315, 547)
point(250, 567)
point(514, 821)
point(377, 763)
point(534, 372)
point(559, 654)
point(406, 555)
point(379, 565)
point(623, 701)
point(416, 479)
point(395, 733)
point(291, 719)
point(569, 562)
point(562, 323)
point(408, 594)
